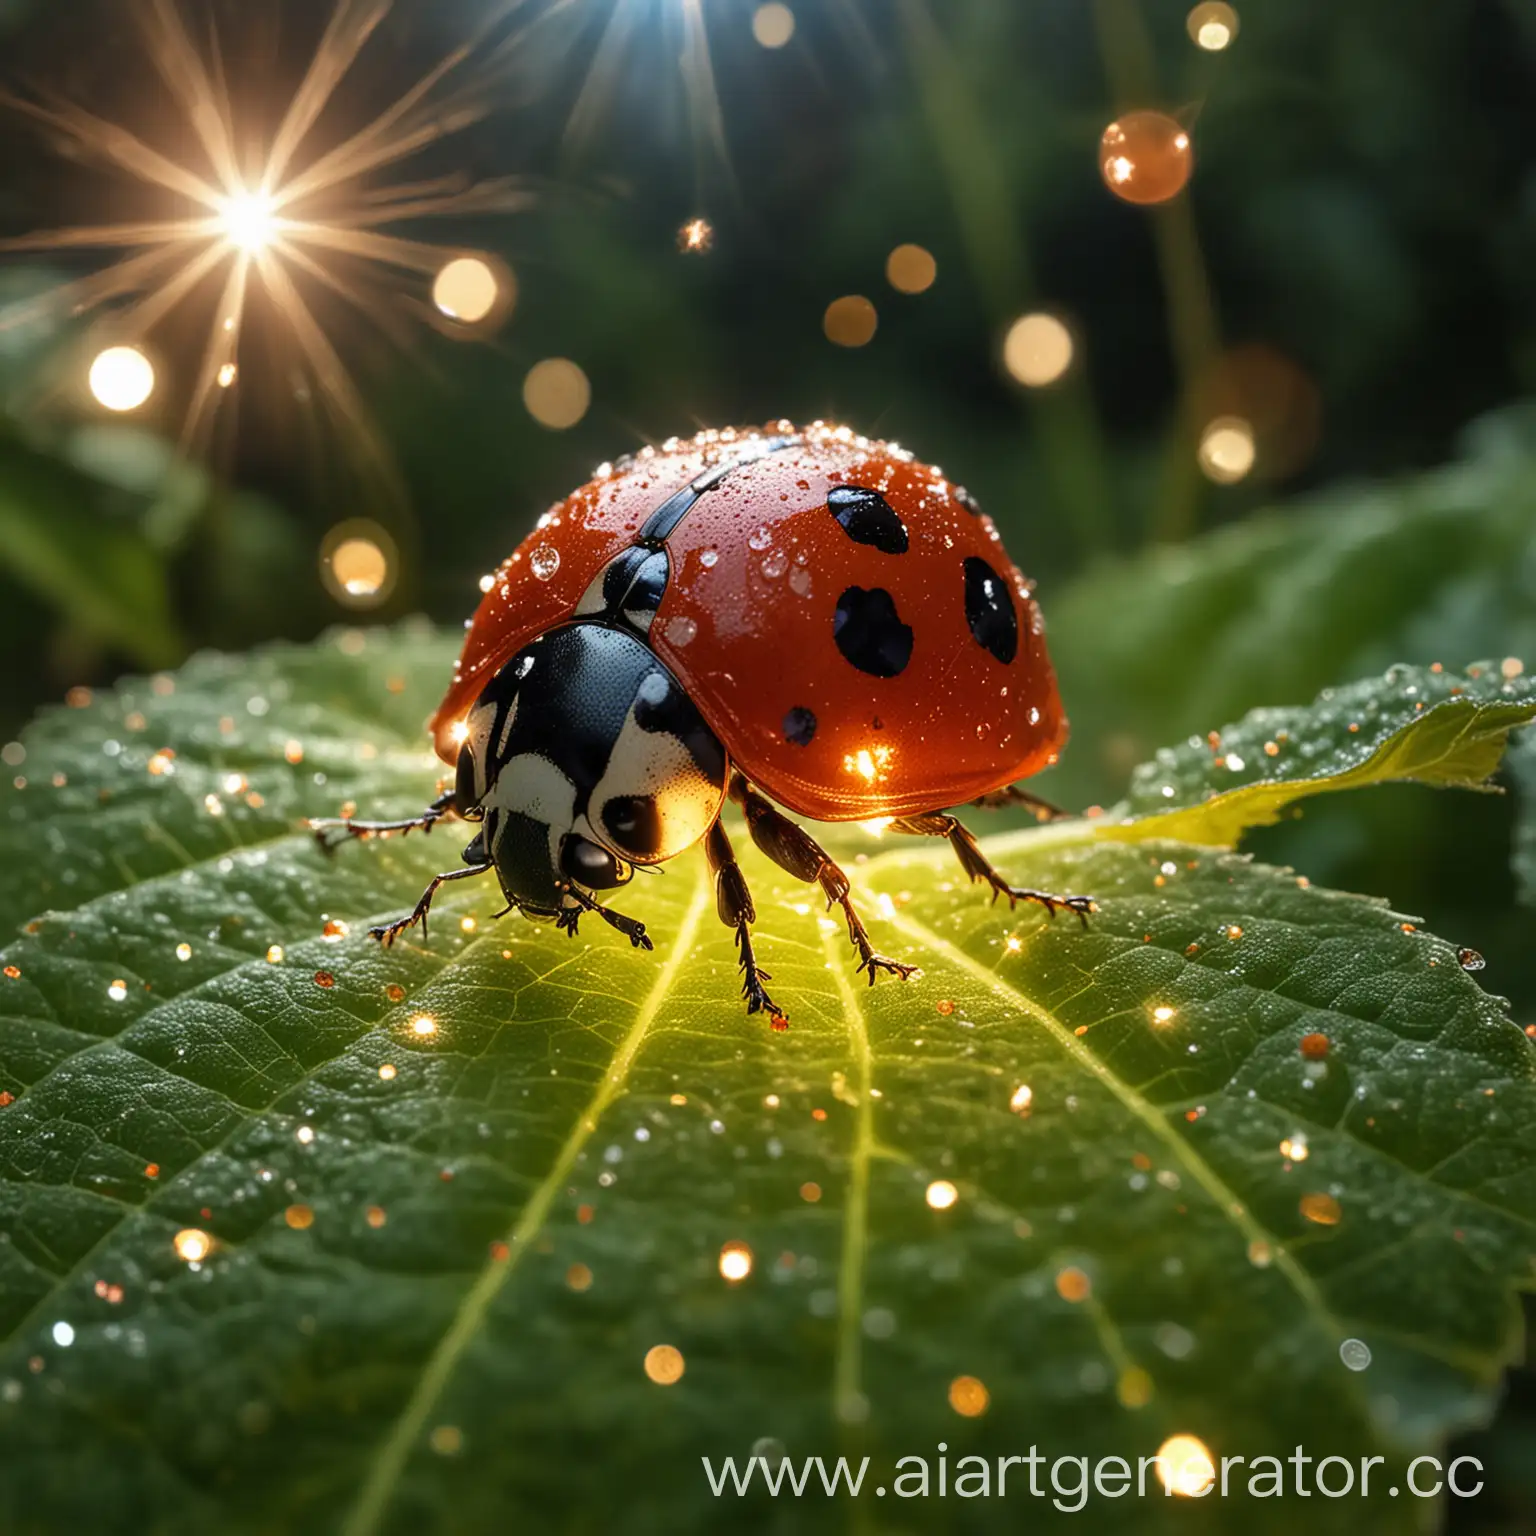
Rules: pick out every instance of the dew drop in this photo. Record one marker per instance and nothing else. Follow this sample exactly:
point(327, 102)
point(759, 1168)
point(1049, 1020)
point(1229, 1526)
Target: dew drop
point(775, 564)
point(1470, 960)
point(761, 539)
point(800, 581)
point(544, 562)
point(681, 630)
point(1355, 1353)
point(708, 557)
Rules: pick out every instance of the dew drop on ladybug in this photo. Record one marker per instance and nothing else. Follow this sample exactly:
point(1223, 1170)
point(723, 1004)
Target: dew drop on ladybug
point(610, 704)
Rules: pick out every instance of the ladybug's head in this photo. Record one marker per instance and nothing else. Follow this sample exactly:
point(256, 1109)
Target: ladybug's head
point(585, 758)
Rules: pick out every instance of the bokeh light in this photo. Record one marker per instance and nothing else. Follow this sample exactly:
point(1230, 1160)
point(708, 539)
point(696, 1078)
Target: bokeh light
point(1184, 1466)
point(773, 24)
point(557, 393)
point(664, 1364)
point(850, 321)
point(192, 1245)
point(1212, 25)
point(969, 1397)
point(1227, 449)
point(1037, 349)
point(696, 237)
point(467, 290)
point(122, 378)
point(941, 1194)
point(735, 1261)
point(249, 221)
point(911, 269)
point(1274, 396)
point(1146, 157)
point(358, 563)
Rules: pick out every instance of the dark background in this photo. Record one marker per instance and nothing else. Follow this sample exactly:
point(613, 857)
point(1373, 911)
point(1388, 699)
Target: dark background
point(1362, 220)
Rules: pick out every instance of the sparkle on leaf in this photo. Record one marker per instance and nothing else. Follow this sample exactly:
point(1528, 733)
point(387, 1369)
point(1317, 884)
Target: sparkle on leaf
point(192, 1245)
point(424, 1024)
point(941, 1194)
point(1322, 1210)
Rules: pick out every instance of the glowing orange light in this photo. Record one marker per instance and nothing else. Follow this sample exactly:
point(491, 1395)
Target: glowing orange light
point(664, 1364)
point(735, 1261)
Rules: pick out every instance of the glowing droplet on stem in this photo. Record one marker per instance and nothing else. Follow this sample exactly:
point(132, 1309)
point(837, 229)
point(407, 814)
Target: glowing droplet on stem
point(911, 269)
point(1023, 1097)
point(773, 24)
point(466, 290)
point(1212, 25)
point(227, 375)
point(1227, 449)
point(850, 321)
point(556, 393)
point(1037, 350)
point(1184, 1466)
point(122, 378)
point(1145, 157)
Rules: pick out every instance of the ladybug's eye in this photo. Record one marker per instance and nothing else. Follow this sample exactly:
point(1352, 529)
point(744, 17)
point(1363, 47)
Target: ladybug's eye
point(584, 862)
point(634, 823)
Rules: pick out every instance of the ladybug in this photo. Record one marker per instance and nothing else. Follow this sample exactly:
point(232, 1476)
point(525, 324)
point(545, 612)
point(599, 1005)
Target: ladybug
point(799, 621)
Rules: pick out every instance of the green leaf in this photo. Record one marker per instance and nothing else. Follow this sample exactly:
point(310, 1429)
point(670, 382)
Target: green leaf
point(1415, 724)
point(1435, 567)
point(104, 573)
point(431, 1290)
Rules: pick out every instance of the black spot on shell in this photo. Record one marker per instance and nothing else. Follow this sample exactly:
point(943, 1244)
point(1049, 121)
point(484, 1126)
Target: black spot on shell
point(799, 726)
point(989, 610)
point(634, 823)
point(868, 518)
point(869, 632)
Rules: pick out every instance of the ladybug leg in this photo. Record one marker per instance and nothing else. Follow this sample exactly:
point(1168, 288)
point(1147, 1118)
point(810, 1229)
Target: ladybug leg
point(387, 934)
point(1011, 794)
point(631, 929)
point(733, 901)
point(976, 865)
point(332, 833)
point(796, 852)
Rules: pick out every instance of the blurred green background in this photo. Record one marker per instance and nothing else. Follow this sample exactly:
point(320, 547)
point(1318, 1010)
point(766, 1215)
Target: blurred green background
point(1349, 272)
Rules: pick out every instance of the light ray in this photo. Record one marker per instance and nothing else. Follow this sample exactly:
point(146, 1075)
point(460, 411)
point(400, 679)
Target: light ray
point(299, 207)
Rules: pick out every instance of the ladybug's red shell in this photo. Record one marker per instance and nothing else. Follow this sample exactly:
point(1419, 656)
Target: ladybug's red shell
point(854, 664)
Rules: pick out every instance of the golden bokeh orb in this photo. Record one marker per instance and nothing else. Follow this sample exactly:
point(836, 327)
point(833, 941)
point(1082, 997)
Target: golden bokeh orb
point(1212, 25)
point(664, 1364)
point(467, 290)
point(1184, 1466)
point(911, 269)
point(773, 24)
point(122, 378)
point(358, 563)
point(1037, 349)
point(969, 1397)
point(850, 321)
point(1227, 449)
point(557, 393)
point(1146, 157)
